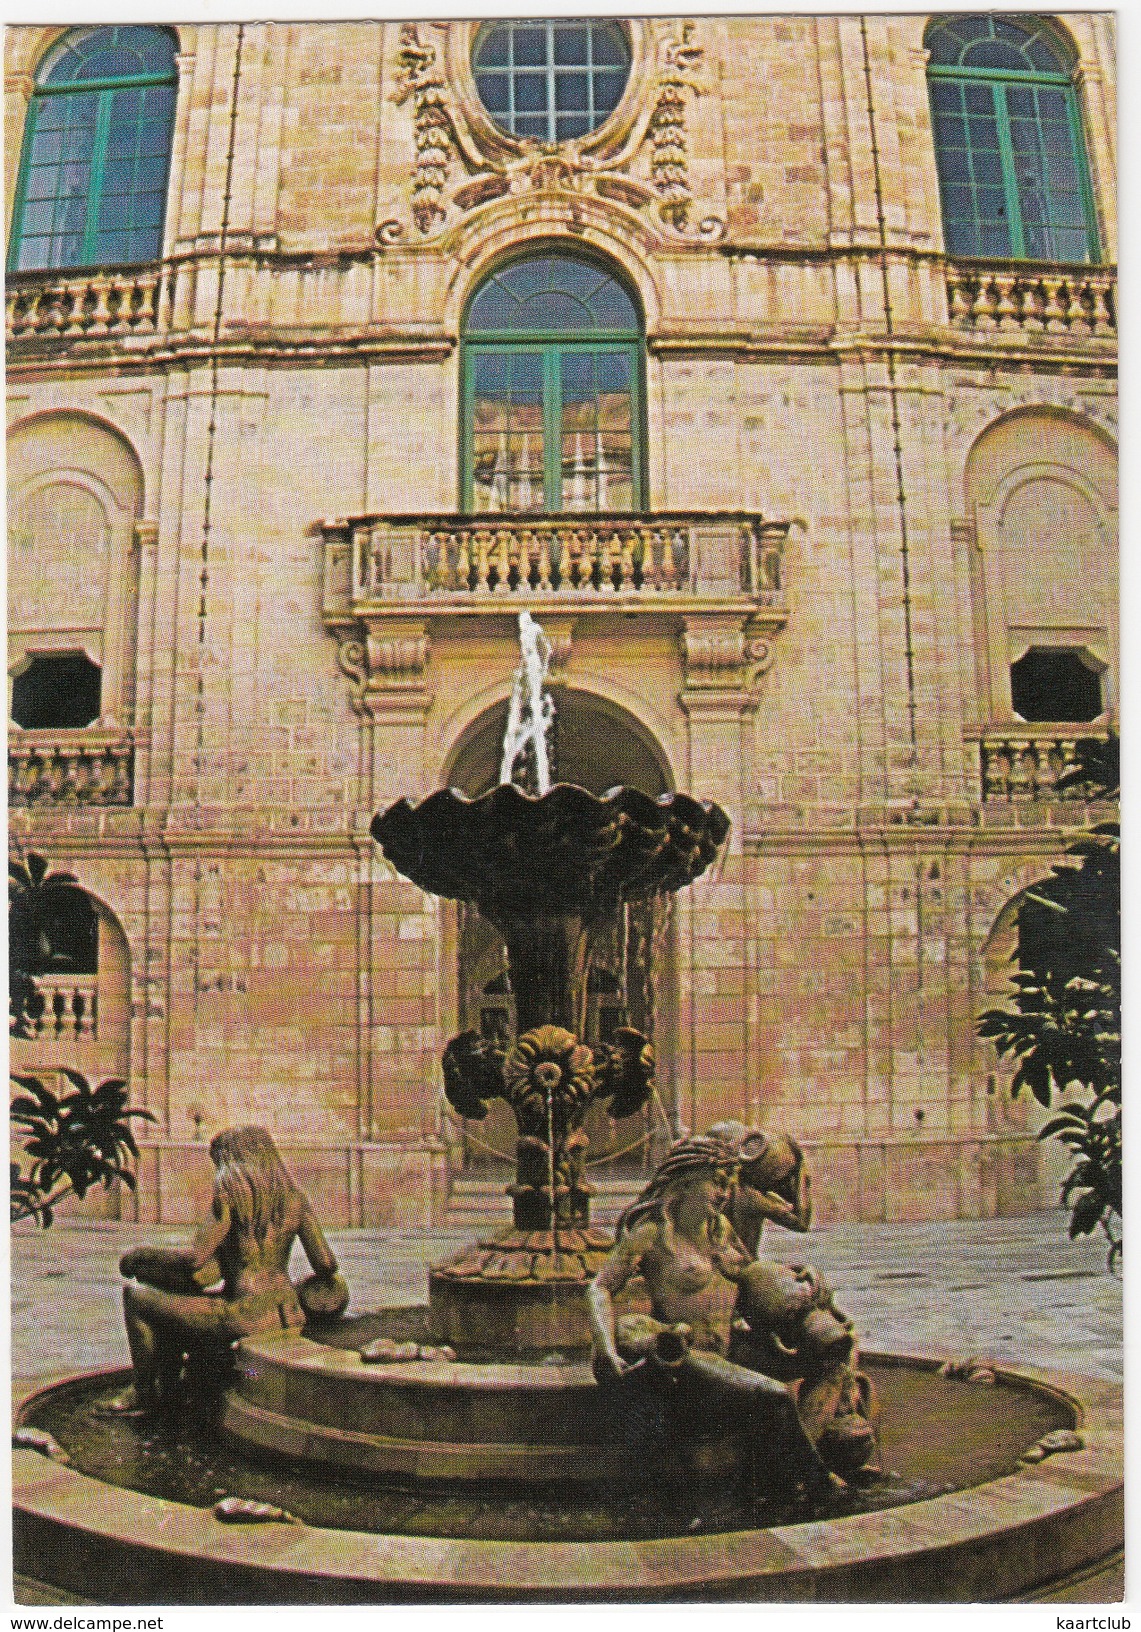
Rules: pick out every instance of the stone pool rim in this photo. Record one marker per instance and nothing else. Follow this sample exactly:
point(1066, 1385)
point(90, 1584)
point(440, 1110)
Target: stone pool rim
point(984, 1544)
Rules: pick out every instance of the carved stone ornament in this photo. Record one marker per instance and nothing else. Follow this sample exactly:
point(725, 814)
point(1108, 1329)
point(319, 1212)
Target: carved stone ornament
point(463, 159)
point(724, 655)
point(434, 130)
point(384, 660)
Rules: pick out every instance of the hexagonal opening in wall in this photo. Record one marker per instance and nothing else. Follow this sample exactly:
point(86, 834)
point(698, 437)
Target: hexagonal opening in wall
point(1052, 685)
point(57, 691)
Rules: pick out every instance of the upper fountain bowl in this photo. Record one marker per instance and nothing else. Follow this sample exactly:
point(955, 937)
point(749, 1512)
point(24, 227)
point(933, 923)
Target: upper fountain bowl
point(566, 851)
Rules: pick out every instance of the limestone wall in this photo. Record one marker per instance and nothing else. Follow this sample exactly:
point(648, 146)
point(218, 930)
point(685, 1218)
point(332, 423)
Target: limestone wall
point(947, 492)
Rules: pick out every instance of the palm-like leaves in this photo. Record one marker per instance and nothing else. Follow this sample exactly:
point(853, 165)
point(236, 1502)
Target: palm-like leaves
point(29, 883)
point(75, 1139)
point(1064, 1026)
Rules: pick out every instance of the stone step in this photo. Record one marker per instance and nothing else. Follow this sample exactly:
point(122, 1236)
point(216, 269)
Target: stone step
point(479, 1201)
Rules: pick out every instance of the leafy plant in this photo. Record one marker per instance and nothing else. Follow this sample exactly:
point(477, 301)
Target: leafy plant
point(30, 890)
point(75, 1139)
point(1064, 1027)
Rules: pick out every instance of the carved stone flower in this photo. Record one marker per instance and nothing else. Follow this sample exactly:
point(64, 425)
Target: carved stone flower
point(548, 1066)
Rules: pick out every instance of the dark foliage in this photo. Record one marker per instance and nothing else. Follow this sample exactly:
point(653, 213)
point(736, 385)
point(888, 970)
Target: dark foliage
point(30, 889)
point(74, 1139)
point(1064, 1025)
point(76, 1136)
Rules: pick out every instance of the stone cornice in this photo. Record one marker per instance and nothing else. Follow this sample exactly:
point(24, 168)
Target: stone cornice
point(155, 834)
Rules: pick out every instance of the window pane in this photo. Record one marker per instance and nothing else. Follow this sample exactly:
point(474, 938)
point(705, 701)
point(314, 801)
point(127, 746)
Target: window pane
point(571, 93)
point(560, 80)
point(492, 47)
point(608, 46)
point(531, 93)
point(570, 125)
point(570, 45)
point(993, 54)
point(529, 46)
point(494, 93)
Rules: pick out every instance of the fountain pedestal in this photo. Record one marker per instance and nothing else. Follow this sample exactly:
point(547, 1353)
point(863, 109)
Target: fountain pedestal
point(549, 872)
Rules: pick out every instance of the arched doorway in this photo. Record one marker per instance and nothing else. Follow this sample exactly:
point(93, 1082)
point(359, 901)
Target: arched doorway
point(632, 982)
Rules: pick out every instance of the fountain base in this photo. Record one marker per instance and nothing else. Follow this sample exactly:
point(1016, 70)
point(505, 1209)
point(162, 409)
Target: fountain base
point(519, 1291)
point(1006, 1530)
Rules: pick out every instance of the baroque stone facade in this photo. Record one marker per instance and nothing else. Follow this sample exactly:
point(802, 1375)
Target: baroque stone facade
point(876, 478)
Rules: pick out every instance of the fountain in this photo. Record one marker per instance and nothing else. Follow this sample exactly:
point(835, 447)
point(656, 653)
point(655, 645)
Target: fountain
point(465, 1450)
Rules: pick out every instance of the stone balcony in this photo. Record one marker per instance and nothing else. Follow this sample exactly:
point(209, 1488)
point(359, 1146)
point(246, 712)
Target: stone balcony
point(69, 768)
point(1027, 762)
point(390, 583)
point(504, 563)
point(1027, 299)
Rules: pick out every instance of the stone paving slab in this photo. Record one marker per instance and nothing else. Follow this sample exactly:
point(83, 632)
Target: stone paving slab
point(1015, 1290)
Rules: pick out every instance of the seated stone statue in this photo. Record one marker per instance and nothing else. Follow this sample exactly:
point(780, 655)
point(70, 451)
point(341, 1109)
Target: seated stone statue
point(677, 1237)
point(233, 1279)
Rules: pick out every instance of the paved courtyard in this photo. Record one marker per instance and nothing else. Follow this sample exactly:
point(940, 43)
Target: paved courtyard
point(1014, 1289)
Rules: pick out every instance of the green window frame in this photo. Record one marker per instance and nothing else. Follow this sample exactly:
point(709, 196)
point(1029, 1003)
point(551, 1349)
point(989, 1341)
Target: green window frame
point(95, 162)
point(553, 417)
point(550, 79)
point(1009, 146)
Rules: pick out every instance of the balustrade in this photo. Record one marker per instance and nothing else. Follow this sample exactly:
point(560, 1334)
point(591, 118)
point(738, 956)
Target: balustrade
point(57, 771)
point(63, 1006)
point(1078, 300)
point(89, 303)
point(395, 559)
point(1017, 766)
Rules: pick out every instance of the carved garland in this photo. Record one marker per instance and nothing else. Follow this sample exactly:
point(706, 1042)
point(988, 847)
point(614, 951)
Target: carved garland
point(669, 162)
point(432, 123)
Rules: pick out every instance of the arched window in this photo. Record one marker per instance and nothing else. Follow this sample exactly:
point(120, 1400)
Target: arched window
point(553, 78)
point(93, 175)
point(1008, 140)
point(552, 390)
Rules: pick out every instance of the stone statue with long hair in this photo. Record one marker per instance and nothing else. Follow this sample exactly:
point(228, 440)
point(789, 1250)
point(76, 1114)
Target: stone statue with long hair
point(233, 1279)
point(676, 1235)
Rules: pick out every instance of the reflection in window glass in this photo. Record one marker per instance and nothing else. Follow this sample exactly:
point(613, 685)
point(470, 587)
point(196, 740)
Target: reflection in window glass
point(1008, 141)
point(553, 369)
point(96, 155)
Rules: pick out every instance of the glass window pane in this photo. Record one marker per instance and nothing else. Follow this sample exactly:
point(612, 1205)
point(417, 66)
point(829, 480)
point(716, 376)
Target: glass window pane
point(144, 244)
point(608, 92)
point(494, 93)
point(114, 211)
point(608, 47)
point(492, 47)
point(529, 45)
point(1042, 54)
point(571, 44)
point(993, 54)
point(994, 239)
point(531, 93)
point(571, 93)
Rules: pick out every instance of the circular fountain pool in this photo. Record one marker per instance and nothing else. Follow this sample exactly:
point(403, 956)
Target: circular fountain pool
point(958, 1515)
